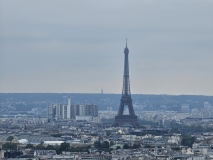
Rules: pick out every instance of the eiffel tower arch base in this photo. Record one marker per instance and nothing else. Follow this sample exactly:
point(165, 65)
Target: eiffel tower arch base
point(126, 119)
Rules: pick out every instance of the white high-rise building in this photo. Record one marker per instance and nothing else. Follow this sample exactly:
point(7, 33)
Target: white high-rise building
point(69, 108)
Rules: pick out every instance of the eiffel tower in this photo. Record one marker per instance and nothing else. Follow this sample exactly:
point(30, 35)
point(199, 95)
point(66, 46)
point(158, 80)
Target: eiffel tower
point(126, 99)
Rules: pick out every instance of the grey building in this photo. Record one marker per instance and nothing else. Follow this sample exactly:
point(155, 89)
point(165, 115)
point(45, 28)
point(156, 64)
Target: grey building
point(84, 110)
point(58, 111)
point(68, 111)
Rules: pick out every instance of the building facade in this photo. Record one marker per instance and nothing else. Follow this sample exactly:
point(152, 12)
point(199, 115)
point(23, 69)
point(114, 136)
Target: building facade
point(58, 112)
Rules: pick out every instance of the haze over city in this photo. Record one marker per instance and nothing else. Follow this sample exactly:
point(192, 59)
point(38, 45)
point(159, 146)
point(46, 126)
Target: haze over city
point(77, 46)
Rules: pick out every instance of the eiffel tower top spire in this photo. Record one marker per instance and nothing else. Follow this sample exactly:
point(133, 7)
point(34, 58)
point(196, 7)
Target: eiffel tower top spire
point(126, 43)
point(126, 83)
point(126, 50)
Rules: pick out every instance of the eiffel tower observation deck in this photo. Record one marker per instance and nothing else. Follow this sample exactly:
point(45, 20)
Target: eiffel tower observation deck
point(126, 100)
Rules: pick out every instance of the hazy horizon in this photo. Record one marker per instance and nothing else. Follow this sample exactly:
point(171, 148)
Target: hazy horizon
point(100, 93)
point(77, 46)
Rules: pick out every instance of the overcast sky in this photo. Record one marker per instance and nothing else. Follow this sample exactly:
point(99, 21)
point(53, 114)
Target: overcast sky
point(77, 46)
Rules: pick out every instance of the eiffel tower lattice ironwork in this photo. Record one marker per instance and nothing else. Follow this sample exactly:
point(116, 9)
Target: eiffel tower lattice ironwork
point(126, 99)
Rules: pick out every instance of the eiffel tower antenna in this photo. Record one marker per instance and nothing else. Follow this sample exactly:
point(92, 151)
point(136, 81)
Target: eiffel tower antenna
point(126, 43)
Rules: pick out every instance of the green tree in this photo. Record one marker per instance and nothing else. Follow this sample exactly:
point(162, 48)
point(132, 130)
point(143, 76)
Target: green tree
point(175, 130)
point(126, 146)
point(135, 146)
point(64, 146)
point(40, 146)
point(105, 144)
point(108, 133)
point(187, 140)
point(9, 146)
point(50, 147)
point(30, 146)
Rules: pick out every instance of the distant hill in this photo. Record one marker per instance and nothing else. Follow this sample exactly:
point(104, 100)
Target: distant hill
point(140, 101)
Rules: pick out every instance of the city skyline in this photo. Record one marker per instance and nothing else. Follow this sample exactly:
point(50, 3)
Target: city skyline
point(77, 47)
